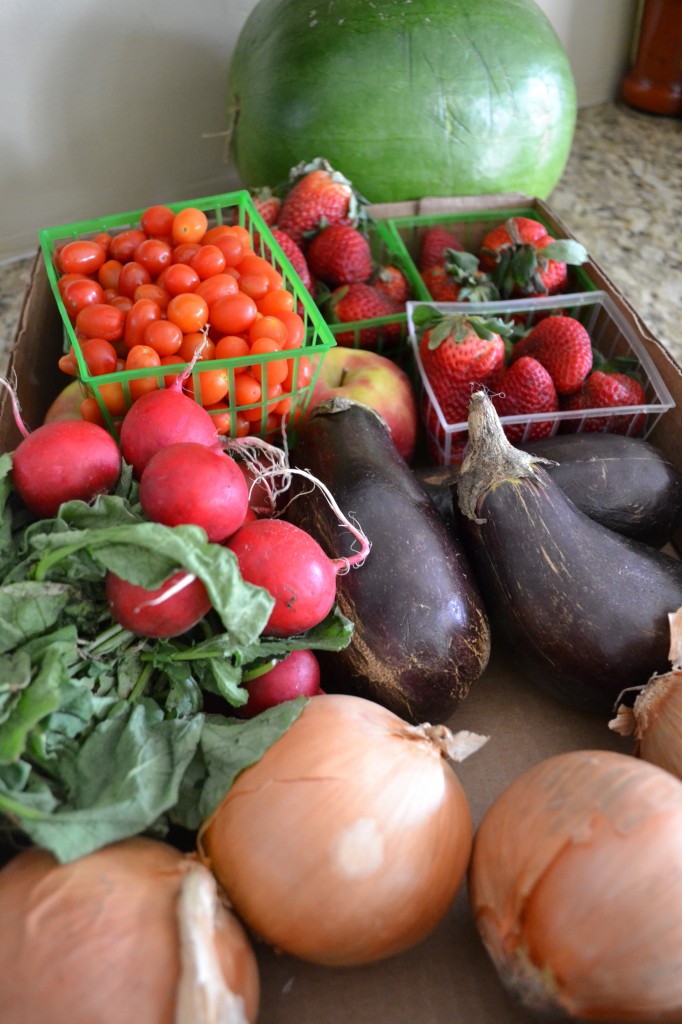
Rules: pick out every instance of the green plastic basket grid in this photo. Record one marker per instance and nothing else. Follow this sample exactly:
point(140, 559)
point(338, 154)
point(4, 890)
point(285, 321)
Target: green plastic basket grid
point(228, 208)
point(611, 335)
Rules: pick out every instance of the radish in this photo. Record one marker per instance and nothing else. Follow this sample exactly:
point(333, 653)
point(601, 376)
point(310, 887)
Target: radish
point(163, 417)
point(191, 483)
point(169, 610)
point(297, 675)
point(293, 568)
point(63, 460)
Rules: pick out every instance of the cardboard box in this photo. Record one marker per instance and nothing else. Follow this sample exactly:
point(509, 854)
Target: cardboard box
point(447, 978)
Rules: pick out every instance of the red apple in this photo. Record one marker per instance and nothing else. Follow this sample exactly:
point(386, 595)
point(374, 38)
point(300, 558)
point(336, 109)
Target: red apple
point(67, 404)
point(375, 381)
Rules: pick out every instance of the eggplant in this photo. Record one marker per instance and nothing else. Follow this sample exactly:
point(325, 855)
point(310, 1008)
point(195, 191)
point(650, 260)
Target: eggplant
point(582, 610)
point(421, 636)
point(622, 482)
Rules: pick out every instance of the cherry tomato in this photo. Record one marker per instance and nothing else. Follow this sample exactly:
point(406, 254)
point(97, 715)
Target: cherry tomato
point(196, 341)
point(81, 257)
point(255, 285)
point(184, 252)
point(213, 385)
point(142, 313)
point(122, 246)
point(189, 225)
point(113, 397)
point(108, 274)
point(157, 221)
point(269, 327)
point(66, 279)
point(122, 302)
point(295, 326)
point(276, 302)
point(304, 374)
point(188, 311)
point(103, 239)
point(229, 243)
point(90, 410)
point(231, 346)
point(80, 293)
point(268, 372)
point(207, 261)
point(154, 254)
point(101, 320)
point(178, 278)
point(253, 264)
point(216, 287)
point(222, 419)
point(132, 275)
point(243, 235)
point(247, 391)
point(142, 356)
point(233, 313)
point(152, 291)
point(163, 336)
point(99, 355)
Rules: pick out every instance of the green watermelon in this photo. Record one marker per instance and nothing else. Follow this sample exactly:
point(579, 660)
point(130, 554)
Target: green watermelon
point(407, 98)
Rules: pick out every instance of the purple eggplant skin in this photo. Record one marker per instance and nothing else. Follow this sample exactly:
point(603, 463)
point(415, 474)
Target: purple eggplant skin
point(582, 610)
point(622, 482)
point(421, 636)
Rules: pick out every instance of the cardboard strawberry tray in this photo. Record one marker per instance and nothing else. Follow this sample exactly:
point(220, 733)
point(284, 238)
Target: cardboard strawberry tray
point(448, 977)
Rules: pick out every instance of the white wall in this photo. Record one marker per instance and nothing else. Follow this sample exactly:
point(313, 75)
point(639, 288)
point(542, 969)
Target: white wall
point(106, 107)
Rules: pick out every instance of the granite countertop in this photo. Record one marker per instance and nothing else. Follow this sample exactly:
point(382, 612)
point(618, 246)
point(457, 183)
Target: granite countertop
point(620, 195)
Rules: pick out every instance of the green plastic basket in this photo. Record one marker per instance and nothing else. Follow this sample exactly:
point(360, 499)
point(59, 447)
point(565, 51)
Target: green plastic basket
point(228, 208)
point(406, 235)
point(387, 335)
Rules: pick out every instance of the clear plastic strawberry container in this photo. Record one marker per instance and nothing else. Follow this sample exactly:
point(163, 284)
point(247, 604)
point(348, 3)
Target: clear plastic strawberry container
point(612, 336)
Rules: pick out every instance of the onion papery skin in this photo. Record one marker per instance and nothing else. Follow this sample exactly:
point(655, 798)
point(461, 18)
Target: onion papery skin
point(347, 842)
point(95, 941)
point(576, 886)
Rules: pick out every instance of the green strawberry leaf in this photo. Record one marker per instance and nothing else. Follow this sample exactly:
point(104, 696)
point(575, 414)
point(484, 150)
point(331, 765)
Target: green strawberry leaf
point(566, 250)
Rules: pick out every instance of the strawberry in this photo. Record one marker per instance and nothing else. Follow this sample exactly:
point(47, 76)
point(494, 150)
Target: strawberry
point(339, 254)
point(392, 282)
point(295, 256)
point(434, 243)
point(522, 389)
point(459, 279)
point(563, 346)
point(267, 204)
point(441, 286)
point(360, 301)
point(458, 353)
point(525, 260)
point(605, 390)
point(318, 195)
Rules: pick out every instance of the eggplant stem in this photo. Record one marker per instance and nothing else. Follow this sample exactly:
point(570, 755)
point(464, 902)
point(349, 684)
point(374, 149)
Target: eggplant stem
point(490, 458)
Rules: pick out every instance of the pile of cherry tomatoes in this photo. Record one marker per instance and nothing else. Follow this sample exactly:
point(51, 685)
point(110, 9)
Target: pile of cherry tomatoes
point(153, 295)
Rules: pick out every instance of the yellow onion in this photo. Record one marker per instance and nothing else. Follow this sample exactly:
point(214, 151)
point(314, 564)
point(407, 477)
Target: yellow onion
point(655, 718)
point(348, 840)
point(132, 933)
point(576, 887)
